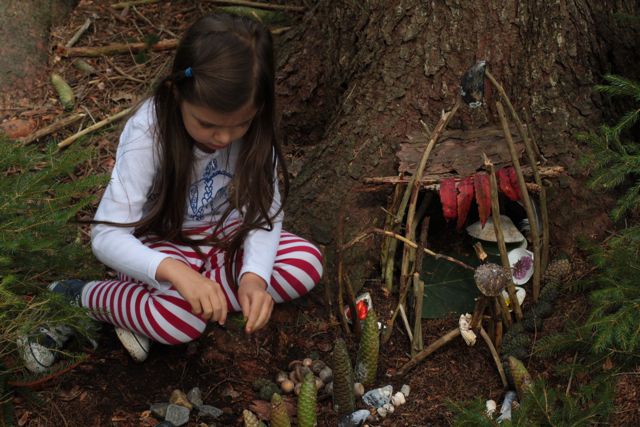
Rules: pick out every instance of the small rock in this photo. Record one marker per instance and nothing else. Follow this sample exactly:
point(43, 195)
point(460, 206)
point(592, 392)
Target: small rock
point(159, 410)
point(326, 374)
point(405, 389)
point(287, 386)
point(209, 411)
point(195, 396)
point(307, 361)
point(382, 412)
point(398, 399)
point(355, 419)
point(179, 398)
point(177, 414)
point(358, 389)
point(389, 407)
point(165, 424)
point(329, 388)
point(317, 366)
point(378, 396)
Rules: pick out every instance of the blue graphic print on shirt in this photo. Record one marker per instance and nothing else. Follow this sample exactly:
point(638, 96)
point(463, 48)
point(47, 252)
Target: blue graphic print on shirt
point(208, 203)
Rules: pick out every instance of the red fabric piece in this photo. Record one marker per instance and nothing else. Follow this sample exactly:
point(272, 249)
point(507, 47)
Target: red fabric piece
point(448, 194)
point(483, 196)
point(508, 183)
point(464, 198)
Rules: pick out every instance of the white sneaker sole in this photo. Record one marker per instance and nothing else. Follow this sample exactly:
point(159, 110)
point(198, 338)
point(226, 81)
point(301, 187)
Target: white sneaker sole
point(137, 345)
point(37, 358)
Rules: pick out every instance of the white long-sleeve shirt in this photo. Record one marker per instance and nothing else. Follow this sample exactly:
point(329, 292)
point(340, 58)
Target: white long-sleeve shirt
point(126, 199)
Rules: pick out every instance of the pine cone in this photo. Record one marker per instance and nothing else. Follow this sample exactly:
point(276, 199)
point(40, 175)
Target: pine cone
point(543, 309)
point(549, 292)
point(307, 402)
point(367, 361)
point(250, 419)
point(557, 271)
point(520, 375)
point(343, 399)
point(279, 416)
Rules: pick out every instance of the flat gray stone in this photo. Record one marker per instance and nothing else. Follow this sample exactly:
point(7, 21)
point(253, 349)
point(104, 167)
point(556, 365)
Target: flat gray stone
point(209, 411)
point(159, 410)
point(176, 414)
point(195, 397)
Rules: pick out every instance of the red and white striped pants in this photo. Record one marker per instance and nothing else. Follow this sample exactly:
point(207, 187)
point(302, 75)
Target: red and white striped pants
point(165, 316)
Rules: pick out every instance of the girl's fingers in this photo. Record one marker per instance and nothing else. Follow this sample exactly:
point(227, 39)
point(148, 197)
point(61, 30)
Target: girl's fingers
point(254, 314)
point(222, 303)
point(265, 313)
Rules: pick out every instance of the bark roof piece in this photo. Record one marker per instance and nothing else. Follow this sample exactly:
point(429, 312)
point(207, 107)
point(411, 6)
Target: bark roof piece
point(458, 151)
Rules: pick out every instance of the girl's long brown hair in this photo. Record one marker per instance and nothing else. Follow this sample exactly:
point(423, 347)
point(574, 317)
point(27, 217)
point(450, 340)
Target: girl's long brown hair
point(232, 64)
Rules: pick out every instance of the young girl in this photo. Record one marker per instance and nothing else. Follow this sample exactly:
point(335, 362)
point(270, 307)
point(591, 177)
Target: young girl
point(192, 216)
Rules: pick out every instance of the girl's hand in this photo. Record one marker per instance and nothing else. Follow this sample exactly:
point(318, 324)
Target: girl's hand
point(206, 297)
point(255, 301)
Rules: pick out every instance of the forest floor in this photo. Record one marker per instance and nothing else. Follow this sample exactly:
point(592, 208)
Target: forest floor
point(110, 389)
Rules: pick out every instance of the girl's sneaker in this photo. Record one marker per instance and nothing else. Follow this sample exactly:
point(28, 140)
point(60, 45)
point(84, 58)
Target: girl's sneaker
point(137, 345)
point(40, 350)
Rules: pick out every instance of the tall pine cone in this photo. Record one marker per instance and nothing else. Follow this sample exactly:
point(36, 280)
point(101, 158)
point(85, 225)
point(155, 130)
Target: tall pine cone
point(520, 375)
point(250, 419)
point(343, 399)
point(367, 361)
point(557, 271)
point(279, 416)
point(307, 402)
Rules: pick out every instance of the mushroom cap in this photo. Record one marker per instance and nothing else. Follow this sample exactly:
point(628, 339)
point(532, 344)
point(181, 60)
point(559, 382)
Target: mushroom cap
point(510, 231)
point(491, 279)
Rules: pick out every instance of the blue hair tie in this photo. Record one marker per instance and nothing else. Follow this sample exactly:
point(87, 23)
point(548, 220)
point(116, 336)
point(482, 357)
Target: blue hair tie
point(188, 72)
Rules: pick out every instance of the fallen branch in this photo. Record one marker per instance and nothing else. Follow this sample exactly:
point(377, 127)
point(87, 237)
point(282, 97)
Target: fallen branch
point(125, 4)
point(267, 6)
point(502, 246)
point(430, 182)
point(84, 27)
point(532, 150)
point(53, 127)
point(449, 336)
point(96, 126)
point(117, 48)
point(526, 200)
point(414, 245)
point(495, 356)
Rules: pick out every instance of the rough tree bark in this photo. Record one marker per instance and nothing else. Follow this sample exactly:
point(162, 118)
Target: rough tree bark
point(375, 68)
point(24, 38)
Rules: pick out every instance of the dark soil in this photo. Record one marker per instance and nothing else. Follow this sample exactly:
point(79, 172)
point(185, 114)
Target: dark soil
point(109, 389)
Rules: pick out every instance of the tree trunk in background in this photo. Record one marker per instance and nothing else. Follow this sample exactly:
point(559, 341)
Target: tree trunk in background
point(24, 38)
point(373, 69)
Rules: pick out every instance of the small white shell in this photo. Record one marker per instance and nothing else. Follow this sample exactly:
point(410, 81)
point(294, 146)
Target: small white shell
point(389, 407)
point(491, 407)
point(307, 362)
point(398, 399)
point(382, 412)
point(405, 389)
point(488, 233)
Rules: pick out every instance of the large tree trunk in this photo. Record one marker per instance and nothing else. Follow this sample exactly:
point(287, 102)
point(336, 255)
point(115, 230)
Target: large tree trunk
point(24, 38)
point(376, 68)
